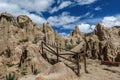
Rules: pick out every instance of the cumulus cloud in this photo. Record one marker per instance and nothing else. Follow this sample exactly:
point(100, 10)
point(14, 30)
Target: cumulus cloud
point(107, 21)
point(31, 5)
point(61, 6)
point(110, 21)
point(88, 14)
point(68, 26)
point(37, 19)
point(25, 7)
point(63, 34)
point(85, 2)
point(15, 9)
point(62, 19)
point(64, 4)
point(86, 28)
point(92, 20)
point(98, 8)
point(65, 21)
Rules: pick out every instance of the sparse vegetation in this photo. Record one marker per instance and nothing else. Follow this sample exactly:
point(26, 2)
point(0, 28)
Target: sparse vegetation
point(35, 72)
point(9, 64)
point(69, 47)
point(21, 25)
point(1, 53)
point(23, 40)
point(23, 73)
point(10, 76)
point(8, 52)
point(24, 55)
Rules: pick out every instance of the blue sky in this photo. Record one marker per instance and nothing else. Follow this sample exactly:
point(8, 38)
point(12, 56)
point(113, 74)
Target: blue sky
point(64, 15)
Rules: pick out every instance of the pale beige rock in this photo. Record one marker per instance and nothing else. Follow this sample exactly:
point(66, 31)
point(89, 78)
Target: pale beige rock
point(58, 71)
point(20, 34)
point(75, 37)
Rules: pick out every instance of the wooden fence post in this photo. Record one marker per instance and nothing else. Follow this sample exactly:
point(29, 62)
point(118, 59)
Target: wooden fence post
point(60, 47)
point(42, 47)
point(85, 67)
point(78, 66)
point(57, 53)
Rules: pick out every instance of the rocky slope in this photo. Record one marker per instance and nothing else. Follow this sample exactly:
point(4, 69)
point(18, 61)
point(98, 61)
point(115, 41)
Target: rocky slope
point(104, 43)
point(20, 45)
point(20, 48)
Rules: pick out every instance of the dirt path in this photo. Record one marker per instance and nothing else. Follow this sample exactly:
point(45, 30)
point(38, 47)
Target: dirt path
point(100, 72)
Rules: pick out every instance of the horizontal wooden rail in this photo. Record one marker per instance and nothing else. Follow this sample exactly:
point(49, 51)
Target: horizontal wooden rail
point(59, 47)
point(59, 55)
point(63, 49)
point(66, 54)
point(110, 63)
point(56, 53)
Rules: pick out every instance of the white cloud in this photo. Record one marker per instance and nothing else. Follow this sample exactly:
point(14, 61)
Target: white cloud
point(64, 4)
point(110, 21)
point(68, 26)
point(86, 28)
point(16, 10)
point(59, 1)
point(61, 6)
point(92, 20)
point(86, 14)
point(98, 8)
point(37, 19)
point(31, 5)
point(62, 19)
point(91, 16)
point(63, 34)
point(85, 2)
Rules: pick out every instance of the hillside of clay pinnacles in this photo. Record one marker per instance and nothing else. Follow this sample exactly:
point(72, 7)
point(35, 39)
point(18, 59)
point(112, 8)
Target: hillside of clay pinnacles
point(22, 57)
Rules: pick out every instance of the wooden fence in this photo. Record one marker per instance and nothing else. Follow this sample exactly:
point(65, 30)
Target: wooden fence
point(47, 47)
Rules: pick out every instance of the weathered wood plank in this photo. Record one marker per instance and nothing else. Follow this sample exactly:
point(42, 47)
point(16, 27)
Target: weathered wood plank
point(110, 63)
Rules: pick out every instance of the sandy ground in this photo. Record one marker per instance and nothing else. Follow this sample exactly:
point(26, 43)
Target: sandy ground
point(99, 72)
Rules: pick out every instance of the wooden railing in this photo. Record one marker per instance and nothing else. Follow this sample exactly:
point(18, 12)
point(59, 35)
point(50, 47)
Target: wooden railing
point(47, 47)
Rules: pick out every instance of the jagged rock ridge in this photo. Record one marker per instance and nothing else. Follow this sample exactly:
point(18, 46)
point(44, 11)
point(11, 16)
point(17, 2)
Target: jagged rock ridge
point(20, 47)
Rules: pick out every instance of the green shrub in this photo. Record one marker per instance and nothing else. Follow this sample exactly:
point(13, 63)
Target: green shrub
point(69, 47)
point(9, 64)
point(10, 76)
point(23, 40)
point(35, 72)
point(8, 52)
point(21, 24)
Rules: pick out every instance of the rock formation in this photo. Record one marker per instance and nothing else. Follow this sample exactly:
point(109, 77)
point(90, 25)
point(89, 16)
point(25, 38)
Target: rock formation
point(75, 37)
point(103, 43)
point(51, 36)
point(20, 48)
